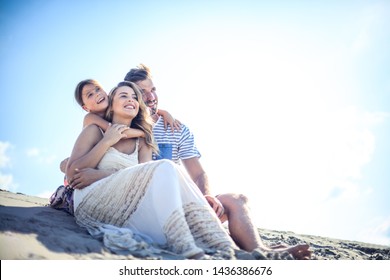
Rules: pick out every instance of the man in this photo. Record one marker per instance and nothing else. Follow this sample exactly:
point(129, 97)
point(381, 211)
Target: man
point(179, 146)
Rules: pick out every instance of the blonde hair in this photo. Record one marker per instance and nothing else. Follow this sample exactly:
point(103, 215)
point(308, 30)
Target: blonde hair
point(142, 121)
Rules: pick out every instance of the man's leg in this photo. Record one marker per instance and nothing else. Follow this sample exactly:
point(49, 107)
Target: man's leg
point(244, 232)
point(241, 227)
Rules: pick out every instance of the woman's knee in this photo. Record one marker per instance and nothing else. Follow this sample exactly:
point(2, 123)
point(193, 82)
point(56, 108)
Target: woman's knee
point(166, 171)
point(166, 164)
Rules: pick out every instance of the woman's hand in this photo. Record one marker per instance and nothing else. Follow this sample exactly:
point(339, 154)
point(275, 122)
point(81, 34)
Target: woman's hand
point(114, 133)
point(85, 177)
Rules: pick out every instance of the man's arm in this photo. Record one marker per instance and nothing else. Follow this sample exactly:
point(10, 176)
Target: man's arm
point(197, 174)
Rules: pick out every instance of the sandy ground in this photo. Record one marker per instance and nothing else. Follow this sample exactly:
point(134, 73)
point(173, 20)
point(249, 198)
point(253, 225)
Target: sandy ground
point(31, 230)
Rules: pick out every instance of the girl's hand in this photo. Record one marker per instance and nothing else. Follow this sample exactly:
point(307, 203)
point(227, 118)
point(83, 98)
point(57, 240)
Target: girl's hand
point(114, 133)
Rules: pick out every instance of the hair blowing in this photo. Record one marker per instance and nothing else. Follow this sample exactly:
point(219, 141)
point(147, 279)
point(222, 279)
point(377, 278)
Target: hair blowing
point(142, 121)
point(141, 73)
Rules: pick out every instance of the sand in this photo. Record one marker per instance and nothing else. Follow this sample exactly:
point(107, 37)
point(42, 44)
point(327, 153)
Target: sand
point(29, 229)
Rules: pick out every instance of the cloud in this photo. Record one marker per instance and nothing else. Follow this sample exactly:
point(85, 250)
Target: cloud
point(375, 118)
point(370, 22)
point(351, 146)
point(33, 152)
point(379, 233)
point(4, 159)
point(7, 183)
point(41, 156)
point(6, 180)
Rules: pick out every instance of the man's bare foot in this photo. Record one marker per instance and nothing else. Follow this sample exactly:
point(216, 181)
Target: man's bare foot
point(300, 252)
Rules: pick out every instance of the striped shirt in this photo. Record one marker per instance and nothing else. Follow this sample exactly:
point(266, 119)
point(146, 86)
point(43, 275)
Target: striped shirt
point(174, 146)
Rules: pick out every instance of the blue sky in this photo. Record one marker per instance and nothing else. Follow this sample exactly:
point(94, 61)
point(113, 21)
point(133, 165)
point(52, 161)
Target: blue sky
point(288, 100)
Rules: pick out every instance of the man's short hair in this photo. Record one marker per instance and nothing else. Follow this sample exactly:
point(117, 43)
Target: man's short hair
point(140, 73)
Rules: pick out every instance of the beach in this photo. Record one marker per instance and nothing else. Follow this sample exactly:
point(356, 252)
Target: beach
point(31, 230)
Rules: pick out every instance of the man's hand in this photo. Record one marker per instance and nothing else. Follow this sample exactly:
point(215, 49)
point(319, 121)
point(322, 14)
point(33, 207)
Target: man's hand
point(216, 205)
point(87, 176)
point(169, 120)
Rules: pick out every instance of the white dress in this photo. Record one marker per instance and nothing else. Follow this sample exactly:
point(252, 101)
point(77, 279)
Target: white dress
point(157, 199)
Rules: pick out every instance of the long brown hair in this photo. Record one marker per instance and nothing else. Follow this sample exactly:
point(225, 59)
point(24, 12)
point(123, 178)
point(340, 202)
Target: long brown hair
point(142, 121)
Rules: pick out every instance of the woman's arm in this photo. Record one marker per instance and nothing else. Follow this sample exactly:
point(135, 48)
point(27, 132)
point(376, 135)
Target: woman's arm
point(87, 176)
point(144, 151)
point(92, 118)
point(83, 151)
point(169, 120)
point(90, 147)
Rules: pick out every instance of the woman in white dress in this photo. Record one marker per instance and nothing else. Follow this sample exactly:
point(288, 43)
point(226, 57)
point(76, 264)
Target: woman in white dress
point(152, 198)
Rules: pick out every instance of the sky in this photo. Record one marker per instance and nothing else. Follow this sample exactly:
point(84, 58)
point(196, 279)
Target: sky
point(289, 101)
